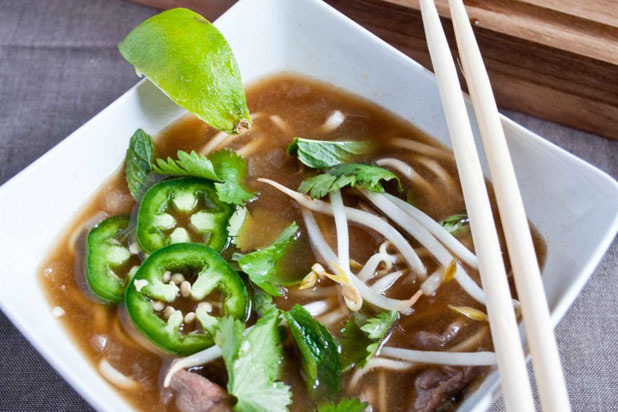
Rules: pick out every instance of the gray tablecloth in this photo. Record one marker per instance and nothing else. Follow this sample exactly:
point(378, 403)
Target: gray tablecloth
point(59, 66)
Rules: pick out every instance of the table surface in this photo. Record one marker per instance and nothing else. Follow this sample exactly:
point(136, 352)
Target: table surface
point(59, 66)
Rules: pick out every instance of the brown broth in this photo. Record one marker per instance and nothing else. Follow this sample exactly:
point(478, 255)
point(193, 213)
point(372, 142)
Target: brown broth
point(304, 105)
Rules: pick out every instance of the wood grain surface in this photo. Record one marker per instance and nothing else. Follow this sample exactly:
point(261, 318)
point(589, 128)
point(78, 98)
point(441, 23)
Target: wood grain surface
point(555, 59)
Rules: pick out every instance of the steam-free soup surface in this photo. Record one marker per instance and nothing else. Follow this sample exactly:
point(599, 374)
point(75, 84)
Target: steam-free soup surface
point(283, 107)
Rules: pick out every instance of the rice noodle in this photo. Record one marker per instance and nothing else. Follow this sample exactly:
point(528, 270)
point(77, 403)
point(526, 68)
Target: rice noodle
point(248, 149)
point(214, 142)
point(470, 343)
point(368, 294)
point(116, 377)
point(363, 218)
point(333, 316)
point(382, 391)
point(334, 120)
point(415, 229)
point(439, 171)
point(281, 124)
point(436, 229)
point(223, 139)
point(207, 355)
point(387, 281)
point(317, 307)
point(422, 148)
point(381, 363)
point(407, 170)
point(441, 358)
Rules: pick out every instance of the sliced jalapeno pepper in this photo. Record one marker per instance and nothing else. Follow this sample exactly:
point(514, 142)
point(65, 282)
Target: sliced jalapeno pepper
point(152, 292)
point(108, 262)
point(190, 200)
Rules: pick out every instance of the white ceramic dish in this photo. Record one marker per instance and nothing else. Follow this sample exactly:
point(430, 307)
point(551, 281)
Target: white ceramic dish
point(573, 205)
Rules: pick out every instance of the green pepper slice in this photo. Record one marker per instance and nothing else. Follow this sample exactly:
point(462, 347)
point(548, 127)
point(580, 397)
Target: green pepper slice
point(148, 292)
point(190, 200)
point(108, 262)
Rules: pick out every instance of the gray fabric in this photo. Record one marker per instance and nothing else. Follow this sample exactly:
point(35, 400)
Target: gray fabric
point(59, 66)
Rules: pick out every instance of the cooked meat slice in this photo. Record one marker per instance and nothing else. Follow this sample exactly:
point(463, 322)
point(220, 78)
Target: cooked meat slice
point(194, 393)
point(436, 387)
point(436, 341)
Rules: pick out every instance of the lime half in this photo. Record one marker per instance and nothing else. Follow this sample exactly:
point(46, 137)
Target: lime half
point(190, 60)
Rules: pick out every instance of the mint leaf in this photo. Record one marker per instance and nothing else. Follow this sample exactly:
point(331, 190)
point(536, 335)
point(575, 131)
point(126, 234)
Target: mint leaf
point(138, 164)
point(231, 170)
point(320, 154)
point(319, 353)
point(345, 405)
point(189, 59)
point(186, 165)
point(261, 265)
point(253, 364)
point(362, 337)
point(456, 224)
point(350, 174)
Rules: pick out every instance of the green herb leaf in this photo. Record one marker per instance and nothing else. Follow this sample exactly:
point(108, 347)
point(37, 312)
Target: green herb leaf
point(231, 170)
point(263, 303)
point(138, 164)
point(319, 352)
point(253, 364)
point(344, 405)
point(261, 265)
point(225, 167)
point(187, 165)
point(350, 174)
point(320, 154)
point(456, 224)
point(362, 337)
point(234, 225)
point(189, 59)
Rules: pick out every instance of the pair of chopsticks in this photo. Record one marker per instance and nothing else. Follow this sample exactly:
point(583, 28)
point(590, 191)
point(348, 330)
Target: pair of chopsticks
point(509, 352)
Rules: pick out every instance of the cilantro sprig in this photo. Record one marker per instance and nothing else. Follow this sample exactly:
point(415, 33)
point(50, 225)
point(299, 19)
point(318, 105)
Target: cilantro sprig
point(261, 265)
point(225, 167)
point(362, 337)
point(349, 174)
point(253, 364)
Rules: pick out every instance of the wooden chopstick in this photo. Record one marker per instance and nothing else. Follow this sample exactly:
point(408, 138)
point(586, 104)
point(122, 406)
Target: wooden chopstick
point(502, 321)
point(545, 357)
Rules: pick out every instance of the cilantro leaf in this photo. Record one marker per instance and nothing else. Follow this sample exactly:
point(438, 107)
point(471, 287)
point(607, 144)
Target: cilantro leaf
point(320, 154)
point(187, 165)
point(362, 338)
point(234, 225)
point(253, 362)
point(231, 170)
point(344, 405)
point(350, 174)
point(262, 303)
point(456, 224)
point(138, 164)
point(319, 353)
point(261, 265)
point(225, 167)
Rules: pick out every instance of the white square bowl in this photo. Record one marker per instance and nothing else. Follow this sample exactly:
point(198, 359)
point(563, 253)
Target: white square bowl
point(573, 205)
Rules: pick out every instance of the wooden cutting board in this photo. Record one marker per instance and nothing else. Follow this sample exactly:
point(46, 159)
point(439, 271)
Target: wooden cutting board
point(555, 59)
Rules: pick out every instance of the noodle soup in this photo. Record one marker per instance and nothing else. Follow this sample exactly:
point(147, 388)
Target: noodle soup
point(373, 265)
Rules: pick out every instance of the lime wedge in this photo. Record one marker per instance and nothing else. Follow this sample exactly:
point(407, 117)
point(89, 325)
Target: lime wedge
point(190, 60)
